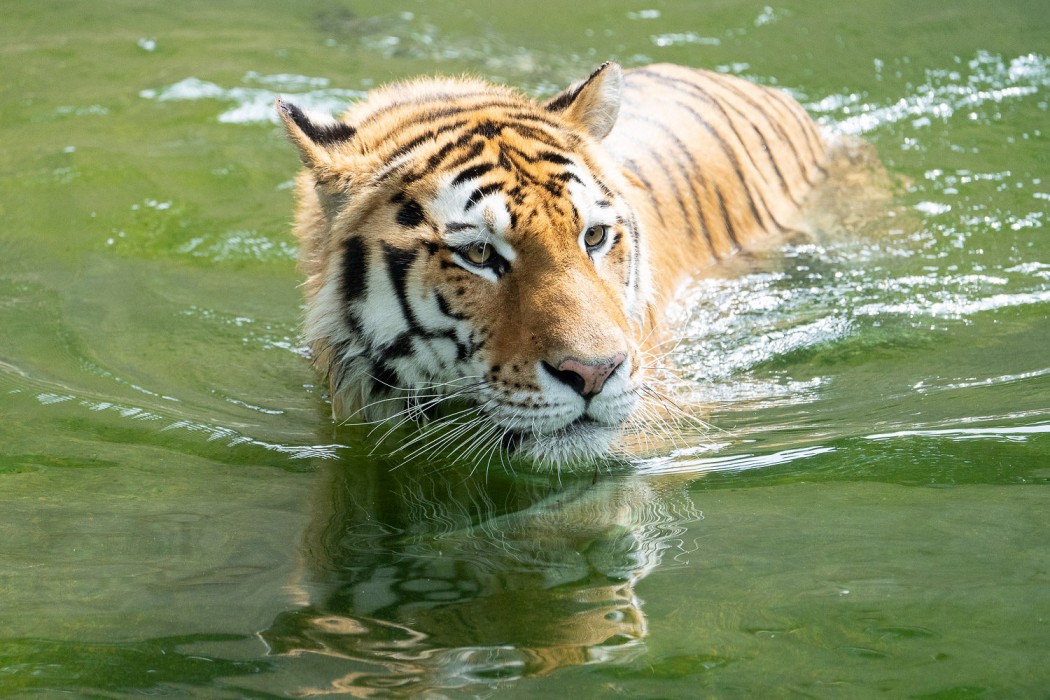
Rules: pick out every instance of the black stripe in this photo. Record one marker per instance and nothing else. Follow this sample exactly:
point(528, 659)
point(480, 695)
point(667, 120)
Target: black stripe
point(606, 190)
point(466, 350)
point(418, 113)
point(567, 176)
point(322, 134)
point(773, 218)
point(355, 268)
point(475, 150)
point(487, 129)
point(776, 166)
point(529, 117)
point(399, 347)
point(426, 136)
point(398, 263)
point(444, 308)
point(726, 219)
point(689, 171)
point(639, 173)
point(707, 97)
point(551, 157)
point(772, 119)
point(384, 379)
point(542, 156)
point(435, 161)
point(540, 135)
point(472, 173)
point(805, 124)
point(410, 214)
point(481, 192)
point(511, 160)
point(447, 148)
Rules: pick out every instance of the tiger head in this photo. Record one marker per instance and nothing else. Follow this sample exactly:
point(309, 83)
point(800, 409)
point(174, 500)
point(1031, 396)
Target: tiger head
point(472, 264)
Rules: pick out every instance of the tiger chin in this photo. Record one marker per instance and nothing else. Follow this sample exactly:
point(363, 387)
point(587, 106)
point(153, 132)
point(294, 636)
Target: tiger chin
point(497, 269)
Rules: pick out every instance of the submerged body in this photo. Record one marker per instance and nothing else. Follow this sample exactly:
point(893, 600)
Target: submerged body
point(503, 266)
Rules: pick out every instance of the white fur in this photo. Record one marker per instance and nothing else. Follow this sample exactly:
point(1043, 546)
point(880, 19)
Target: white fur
point(380, 312)
point(325, 313)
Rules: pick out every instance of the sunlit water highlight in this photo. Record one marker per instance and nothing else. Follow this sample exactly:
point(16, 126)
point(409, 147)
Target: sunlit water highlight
point(866, 513)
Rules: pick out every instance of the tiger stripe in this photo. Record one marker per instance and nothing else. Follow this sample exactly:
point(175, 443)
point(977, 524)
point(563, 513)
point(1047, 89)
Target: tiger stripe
point(754, 107)
point(728, 102)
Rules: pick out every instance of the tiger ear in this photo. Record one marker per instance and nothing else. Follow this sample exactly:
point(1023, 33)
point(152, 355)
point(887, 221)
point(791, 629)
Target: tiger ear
point(592, 104)
point(312, 136)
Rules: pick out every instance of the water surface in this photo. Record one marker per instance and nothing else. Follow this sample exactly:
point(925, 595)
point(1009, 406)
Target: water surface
point(867, 514)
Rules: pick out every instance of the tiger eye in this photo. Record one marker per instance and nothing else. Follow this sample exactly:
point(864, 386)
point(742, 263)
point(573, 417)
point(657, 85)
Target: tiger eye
point(478, 253)
point(595, 236)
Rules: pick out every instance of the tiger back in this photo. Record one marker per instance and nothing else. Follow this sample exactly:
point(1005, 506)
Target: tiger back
point(717, 163)
point(497, 269)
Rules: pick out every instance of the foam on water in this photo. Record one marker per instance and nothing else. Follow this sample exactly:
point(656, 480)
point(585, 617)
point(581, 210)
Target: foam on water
point(239, 245)
point(991, 79)
point(255, 104)
point(734, 463)
point(1010, 433)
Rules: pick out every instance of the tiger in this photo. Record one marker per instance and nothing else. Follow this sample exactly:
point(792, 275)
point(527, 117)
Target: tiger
point(501, 267)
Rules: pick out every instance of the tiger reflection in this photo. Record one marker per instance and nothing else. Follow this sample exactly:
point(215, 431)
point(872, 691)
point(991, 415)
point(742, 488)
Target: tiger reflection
point(423, 579)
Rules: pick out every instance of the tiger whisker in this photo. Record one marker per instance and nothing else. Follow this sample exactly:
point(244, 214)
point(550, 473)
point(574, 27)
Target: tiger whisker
point(445, 435)
point(412, 412)
point(411, 415)
point(415, 409)
point(476, 441)
point(668, 403)
point(425, 433)
point(440, 428)
point(416, 393)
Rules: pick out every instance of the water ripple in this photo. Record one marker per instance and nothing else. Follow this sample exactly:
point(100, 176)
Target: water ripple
point(991, 79)
point(1011, 434)
point(734, 463)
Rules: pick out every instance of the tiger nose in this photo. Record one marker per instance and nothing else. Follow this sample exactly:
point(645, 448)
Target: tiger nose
point(585, 378)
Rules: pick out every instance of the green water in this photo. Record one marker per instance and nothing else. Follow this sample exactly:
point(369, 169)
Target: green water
point(178, 516)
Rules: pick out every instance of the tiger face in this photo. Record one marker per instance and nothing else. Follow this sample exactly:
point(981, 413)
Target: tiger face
point(472, 262)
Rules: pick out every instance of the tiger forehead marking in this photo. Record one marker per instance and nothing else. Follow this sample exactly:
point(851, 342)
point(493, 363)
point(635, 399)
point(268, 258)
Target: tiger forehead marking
point(496, 267)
